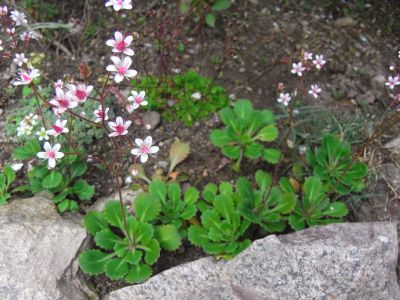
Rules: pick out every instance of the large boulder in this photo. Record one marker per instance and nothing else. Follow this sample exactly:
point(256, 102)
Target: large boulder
point(340, 261)
point(38, 248)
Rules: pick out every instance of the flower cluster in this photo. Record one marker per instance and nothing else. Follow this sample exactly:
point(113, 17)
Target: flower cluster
point(307, 63)
point(68, 96)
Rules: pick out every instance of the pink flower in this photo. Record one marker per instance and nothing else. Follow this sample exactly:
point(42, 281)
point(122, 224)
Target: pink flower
point(18, 17)
point(393, 81)
point(137, 99)
point(63, 101)
point(26, 78)
point(121, 44)
point(119, 127)
point(145, 149)
point(119, 4)
point(314, 91)
point(58, 128)
point(80, 91)
point(307, 56)
point(51, 153)
point(284, 99)
point(3, 11)
point(98, 113)
point(26, 36)
point(319, 61)
point(121, 68)
point(298, 69)
point(20, 59)
point(10, 30)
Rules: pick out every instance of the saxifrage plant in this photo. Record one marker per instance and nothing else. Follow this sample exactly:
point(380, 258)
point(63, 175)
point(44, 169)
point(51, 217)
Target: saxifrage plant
point(222, 230)
point(176, 208)
point(127, 250)
point(246, 130)
point(315, 208)
point(7, 177)
point(268, 206)
point(333, 163)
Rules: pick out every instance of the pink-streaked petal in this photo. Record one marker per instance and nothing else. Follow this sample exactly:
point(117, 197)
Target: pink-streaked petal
point(47, 146)
point(42, 155)
point(127, 123)
point(110, 43)
point(119, 121)
point(131, 73)
point(128, 39)
point(111, 68)
point(127, 62)
point(113, 134)
point(139, 142)
point(59, 155)
point(52, 163)
point(116, 60)
point(148, 141)
point(118, 36)
point(129, 51)
point(56, 147)
point(118, 78)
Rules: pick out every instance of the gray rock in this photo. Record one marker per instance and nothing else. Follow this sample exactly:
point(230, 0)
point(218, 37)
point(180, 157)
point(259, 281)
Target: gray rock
point(340, 261)
point(366, 98)
point(345, 22)
point(37, 246)
point(128, 197)
point(151, 119)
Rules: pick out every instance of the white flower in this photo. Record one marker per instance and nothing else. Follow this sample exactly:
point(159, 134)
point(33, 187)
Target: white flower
point(307, 55)
point(298, 69)
point(17, 166)
point(26, 36)
point(319, 61)
point(121, 44)
point(10, 30)
point(393, 81)
point(3, 11)
point(42, 134)
point(121, 68)
point(59, 84)
point(24, 129)
point(145, 149)
point(18, 17)
point(26, 78)
point(119, 4)
point(119, 127)
point(58, 128)
point(284, 99)
point(137, 99)
point(62, 102)
point(1, 47)
point(51, 153)
point(80, 91)
point(314, 91)
point(20, 59)
point(98, 113)
point(196, 96)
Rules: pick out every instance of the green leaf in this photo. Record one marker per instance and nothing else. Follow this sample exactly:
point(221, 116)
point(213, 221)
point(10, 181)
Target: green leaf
point(313, 189)
point(138, 273)
point(158, 189)
point(133, 257)
point(52, 180)
point(113, 214)
point(106, 239)
point(147, 207)
point(243, 108)
point(253, 151)
point(116, 268)
point(221, 5)
point(152, 251)
point(268, 133)
point(209, 192)
point(271, 155)
point(231, 151)
point(336, 209)
point(67, 205)
point(93, 261)
point(296, 222)
point(286, 205)
point(189, 212)
point(198, 235)
point(263, 179)
point(210, 19)
point(228, 117)
point(184, 6)
point(78, 168)
point(174, 192)
point(179, 152)
point(94, 222)
point(83, 190)
point(29, 150)
point(168, 237)
point(191, 195)
point(219, 138)
point(9, 175)
point(224, 206)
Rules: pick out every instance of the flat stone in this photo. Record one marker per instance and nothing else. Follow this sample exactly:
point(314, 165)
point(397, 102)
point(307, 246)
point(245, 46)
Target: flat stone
point(340, 261)
point(37, 247)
